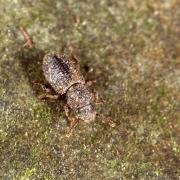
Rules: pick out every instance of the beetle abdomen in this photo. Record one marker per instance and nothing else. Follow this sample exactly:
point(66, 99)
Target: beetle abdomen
point(61, 72)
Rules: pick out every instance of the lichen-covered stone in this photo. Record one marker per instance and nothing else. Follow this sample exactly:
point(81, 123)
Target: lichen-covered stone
point(133, 50)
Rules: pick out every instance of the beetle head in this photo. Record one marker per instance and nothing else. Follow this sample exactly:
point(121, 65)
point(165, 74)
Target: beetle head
point(86, 113)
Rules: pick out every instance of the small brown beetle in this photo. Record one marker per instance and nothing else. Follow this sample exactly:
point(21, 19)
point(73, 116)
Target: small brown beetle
point(63, 74)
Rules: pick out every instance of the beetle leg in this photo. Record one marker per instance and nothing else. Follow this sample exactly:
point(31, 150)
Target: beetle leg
point(67, 110)
point(72, 125)
point(49, 92)
point(48, 96)
point(71, 120)
point(47, 88)
point(95, 95)
point(29, 41)
point(108, 121)
point(97, 99)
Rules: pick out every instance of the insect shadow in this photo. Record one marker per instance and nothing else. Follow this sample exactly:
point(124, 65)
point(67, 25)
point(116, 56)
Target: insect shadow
point(31, 61)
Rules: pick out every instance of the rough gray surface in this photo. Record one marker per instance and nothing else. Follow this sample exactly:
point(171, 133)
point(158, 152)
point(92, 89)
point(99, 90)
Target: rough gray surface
point(133, 49)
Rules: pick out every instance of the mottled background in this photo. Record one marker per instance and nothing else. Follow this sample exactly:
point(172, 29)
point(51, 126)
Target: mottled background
point(132, 48)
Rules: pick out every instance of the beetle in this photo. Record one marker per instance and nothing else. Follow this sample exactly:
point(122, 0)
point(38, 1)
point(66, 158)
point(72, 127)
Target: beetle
point(62, 72)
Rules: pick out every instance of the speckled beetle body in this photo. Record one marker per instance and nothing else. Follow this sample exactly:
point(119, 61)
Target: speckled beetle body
point(64, 77)
point(63, 74)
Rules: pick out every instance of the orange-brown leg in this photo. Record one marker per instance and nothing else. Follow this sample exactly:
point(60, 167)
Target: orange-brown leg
point(48, 96)
point(107, 121)
point(49, 92)
point(97, 99)
point(72, 122)
point(110, 122)
point(44, 86)
point(29, 42)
